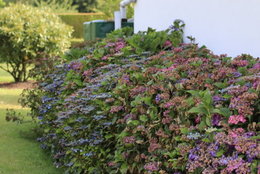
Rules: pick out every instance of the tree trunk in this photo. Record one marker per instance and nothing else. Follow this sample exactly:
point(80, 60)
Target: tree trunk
point(17, 69)
point(20, 75)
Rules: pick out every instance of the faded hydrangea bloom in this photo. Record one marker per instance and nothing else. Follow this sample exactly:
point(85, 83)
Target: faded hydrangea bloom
point(152, 166)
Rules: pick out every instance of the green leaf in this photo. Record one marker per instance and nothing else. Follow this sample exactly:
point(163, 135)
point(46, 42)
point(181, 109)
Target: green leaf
point(220, 85)
point(184, 130)
point(220, 153)
point(147, 100)
point(206, 140)
point(202, 125)
point(199, 109)
point(208, 121)
point(193, 93)
point(123, 168)
point(223, 111)
point(153, 115)
point(133, 122)
point(143, 118)
point(150, 82)
point(255, 137)
point(122, 134)
point(108, 136)
point(207, 98)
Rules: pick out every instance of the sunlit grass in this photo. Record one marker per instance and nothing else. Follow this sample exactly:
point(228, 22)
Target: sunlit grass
point(5, 76)
point(19, 151)
point(9, 96)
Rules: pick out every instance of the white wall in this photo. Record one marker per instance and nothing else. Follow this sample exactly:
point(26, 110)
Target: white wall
point(224, 26)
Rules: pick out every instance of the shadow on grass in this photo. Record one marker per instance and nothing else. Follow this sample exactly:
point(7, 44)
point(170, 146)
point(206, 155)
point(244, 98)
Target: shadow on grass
point(32, 134)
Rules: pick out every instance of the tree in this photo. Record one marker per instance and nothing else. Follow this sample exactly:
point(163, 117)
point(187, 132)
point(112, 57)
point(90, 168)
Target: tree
point(26, 33)
point(85, 5)
point(2, 3)
point(30, 2)
point(109, 6)
point(57, 6)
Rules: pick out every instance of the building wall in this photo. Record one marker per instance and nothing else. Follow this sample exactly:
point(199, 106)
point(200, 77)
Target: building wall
point(224, 26)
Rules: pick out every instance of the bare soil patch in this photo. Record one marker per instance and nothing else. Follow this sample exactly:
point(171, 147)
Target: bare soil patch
point(19, 85)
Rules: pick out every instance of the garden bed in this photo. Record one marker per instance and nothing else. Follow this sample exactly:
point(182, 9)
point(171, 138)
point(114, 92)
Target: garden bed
point(148, 103)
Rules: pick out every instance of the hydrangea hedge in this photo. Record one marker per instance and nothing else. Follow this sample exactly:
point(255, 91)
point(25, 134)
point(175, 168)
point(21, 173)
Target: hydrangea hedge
point(162, 107)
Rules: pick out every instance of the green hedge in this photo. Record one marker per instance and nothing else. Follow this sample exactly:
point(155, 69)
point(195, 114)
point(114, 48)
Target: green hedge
point(77, 19)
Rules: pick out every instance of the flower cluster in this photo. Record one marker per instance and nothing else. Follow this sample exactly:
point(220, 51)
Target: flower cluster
point(179, 111)
point(235, 119)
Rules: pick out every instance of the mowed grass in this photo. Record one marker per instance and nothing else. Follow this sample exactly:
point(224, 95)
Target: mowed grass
point(20, 153)
point(9, 98)
point(4, 76)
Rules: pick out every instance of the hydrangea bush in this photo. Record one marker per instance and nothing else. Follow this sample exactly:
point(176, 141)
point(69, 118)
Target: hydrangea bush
point(174, 109)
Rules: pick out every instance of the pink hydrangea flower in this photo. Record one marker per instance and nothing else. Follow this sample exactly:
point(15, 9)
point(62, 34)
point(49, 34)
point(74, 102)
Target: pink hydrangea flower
point(240, 63)
point(177, 50)
point(170, 68)
point(119, 46)
point(129, 140)
point(167, 44)
point(152, 167)
point(105, 57)
point(236, 132)
point(235, 119)
point(115, 109)
point(256, 66)
point(197, 119)
point(111, 164)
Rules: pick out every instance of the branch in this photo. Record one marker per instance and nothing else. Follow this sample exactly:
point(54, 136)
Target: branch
point(5, 69)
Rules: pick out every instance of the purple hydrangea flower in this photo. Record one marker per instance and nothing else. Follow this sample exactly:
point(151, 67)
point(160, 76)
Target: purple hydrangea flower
point(236, 74)
point(157, 98)
point(216, 120)
point(217, 98)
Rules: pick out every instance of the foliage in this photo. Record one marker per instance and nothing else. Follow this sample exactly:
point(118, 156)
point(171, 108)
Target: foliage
point(57, 6)
point(121, 33)
point(108, 7)
point(26, 33)
point(2, 3)
point(17, 1)
point(154, 41)
point(181, 110)
point(76, 20)
point(85, 5)
point(65, 6)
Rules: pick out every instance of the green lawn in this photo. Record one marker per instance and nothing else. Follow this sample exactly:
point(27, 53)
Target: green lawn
point(4, 76)
point(9, 98)
point(19, 151)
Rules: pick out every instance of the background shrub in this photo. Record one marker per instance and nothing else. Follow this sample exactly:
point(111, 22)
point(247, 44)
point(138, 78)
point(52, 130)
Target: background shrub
point(26, 33)
point(76, 20)
point(108, 7)
point(56, 6)
point(2, 3)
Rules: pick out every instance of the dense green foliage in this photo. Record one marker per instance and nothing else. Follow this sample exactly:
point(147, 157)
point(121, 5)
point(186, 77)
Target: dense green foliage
point(76, 20)
point(108, 7)
point(85, 6)
point(160, 107)
point(25, 34)
point(67, 6)
point(56, 6)
point(2, 3)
